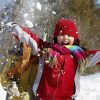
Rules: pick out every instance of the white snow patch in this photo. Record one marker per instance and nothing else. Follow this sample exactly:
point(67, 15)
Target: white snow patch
point(25, 15)
point(90, 87)
point(2, 93)
point(54, 12)
point(38, 6)
point(31, 10)
point(29, 23)
point(33, 4)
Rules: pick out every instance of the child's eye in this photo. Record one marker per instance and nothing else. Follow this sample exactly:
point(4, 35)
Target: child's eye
point(69, 35)
point(63, 34)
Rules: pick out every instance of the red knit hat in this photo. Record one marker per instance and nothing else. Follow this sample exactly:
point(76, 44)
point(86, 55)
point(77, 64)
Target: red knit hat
point(66, 26)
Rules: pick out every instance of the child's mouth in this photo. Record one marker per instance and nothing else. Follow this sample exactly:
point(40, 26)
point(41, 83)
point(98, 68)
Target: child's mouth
point(65, 43)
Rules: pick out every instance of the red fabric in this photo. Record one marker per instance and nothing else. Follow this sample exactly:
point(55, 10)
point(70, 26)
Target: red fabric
point(58, 82)
point(66, 26)
point(16, 37)
point(89, 52)
point(98, 63)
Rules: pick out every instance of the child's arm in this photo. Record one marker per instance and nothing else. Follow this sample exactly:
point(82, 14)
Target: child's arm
point(93, 57)
point(26, 36)
point(89, 52)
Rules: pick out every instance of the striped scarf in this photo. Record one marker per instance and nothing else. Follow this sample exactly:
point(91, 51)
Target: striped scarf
point(76, 51)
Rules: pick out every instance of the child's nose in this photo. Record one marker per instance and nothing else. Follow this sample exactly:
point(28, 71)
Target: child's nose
point(66, 37)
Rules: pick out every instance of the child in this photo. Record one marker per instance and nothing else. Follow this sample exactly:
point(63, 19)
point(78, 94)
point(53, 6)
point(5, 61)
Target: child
point(59, 64)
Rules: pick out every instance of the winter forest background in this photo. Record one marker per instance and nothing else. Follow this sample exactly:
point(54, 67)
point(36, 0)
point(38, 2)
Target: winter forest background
point(43, 14)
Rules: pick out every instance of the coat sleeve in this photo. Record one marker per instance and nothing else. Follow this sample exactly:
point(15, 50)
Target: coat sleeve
point(24, 35)
point(93, 57)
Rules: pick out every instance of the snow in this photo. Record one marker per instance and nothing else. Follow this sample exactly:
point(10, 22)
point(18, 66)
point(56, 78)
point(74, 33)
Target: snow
point(89, 88)
point(38, 6)
point(2, 93)
point(25, 15)
point(29, 23)
point(54, 12)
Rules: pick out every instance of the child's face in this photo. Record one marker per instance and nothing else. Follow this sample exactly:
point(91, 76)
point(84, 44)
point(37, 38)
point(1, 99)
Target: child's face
point(65, 40)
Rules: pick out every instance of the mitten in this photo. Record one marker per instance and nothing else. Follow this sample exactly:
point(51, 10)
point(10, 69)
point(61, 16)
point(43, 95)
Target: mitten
point(10, 25)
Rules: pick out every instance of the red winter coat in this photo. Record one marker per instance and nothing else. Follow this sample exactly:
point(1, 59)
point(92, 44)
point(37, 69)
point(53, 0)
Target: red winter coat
point(57, 83)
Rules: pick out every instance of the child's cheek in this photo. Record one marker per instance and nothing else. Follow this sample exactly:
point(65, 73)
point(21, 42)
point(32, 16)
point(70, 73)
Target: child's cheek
point(71, 40)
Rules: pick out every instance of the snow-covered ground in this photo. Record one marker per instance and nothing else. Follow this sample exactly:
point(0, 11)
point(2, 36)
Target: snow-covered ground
point(90, 88)
point(2, 93)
